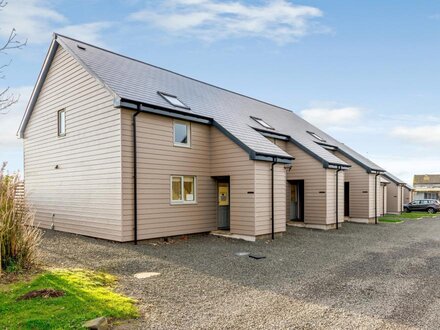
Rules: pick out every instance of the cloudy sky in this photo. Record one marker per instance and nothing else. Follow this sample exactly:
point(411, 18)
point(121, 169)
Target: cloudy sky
point(367, 72)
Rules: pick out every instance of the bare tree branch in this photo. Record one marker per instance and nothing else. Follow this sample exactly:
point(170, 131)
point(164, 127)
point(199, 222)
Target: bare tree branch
point(6, 97)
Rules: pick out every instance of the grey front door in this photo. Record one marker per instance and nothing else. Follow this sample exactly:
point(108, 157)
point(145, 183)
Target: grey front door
point(223, 205)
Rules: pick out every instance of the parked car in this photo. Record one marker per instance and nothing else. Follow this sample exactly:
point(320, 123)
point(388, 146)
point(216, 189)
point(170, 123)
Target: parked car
point(427, 205)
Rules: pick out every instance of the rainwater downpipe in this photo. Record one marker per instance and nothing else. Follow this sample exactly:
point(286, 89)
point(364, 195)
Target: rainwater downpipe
point(375, 197)
point(339, 169)
point(135, 202)
point(274, 161)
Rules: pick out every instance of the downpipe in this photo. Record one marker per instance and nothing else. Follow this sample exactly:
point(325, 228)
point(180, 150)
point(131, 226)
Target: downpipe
point(274, 161)
point(337, 196)
point(375, 198)
point(135, 202)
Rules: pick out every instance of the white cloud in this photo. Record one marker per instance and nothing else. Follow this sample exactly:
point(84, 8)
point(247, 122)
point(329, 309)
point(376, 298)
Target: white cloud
point(424, 134)
point(10, 121)
point(209, 20)
point(333, 117)
point(36, 20)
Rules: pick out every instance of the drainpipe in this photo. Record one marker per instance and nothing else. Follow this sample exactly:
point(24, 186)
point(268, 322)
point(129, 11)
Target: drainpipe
point(375, 197)
point(383, 200)
point(339, 169)
point(135, 208)
point(274, 161)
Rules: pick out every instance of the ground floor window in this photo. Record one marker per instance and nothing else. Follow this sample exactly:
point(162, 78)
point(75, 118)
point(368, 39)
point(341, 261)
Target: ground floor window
point(431, 195)
point(183, 189)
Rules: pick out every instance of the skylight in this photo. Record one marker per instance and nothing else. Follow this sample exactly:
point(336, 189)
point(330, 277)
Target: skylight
point(316, 136)
point(173, 100)
point(262, 123)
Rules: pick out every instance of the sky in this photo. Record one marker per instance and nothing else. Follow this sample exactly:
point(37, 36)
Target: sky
point(366, 72)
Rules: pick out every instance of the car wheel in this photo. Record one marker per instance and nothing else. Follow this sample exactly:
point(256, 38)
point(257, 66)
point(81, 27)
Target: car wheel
point(431, 210)
point(407, 210)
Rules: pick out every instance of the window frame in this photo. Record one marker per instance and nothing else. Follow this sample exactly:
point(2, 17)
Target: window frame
point(182, 189)
point(167, 96)
point(188, 134)
point(263, 123)
point(59, 112)
point(316, 136)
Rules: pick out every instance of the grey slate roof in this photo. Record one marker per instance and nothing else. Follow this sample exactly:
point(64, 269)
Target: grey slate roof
point(136, 81)
point(393, 178)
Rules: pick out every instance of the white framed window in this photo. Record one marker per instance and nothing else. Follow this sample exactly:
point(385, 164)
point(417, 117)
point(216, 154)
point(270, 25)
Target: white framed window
point(183, 189)
point(61, 122)
point(173, 100)
point(262, 123)
point(182, 134)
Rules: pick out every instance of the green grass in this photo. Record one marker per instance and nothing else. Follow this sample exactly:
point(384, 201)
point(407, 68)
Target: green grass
point(87, 295)
point(405, 216)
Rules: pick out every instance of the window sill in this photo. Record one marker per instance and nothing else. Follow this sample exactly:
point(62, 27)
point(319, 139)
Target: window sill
point(183, 203)
point(182, 145)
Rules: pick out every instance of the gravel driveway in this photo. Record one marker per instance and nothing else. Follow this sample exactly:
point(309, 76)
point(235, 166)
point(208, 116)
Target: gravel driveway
point(361, 276)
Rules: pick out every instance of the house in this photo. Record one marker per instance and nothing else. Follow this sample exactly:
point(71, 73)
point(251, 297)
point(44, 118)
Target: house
point(408, 193)
point(395, 194)
point(119, 149)
point(426, 186)
point(383, 195)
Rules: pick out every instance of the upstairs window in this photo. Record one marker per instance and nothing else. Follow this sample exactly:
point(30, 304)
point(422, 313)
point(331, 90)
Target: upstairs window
point(316, 136)
point(262, 123)
point(173, 100)
point(182, 134)
point(183, 189)
point(62, 122)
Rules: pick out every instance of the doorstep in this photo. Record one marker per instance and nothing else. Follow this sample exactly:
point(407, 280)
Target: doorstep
point(301, 224)
point(228, 234)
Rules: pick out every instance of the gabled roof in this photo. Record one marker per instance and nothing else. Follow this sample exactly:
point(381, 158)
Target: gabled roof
point(136, 84)
point(427, 179)
point(393, 178)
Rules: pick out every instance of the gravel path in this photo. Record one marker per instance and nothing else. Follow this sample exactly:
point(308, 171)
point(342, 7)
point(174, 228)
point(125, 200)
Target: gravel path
point(361, 276)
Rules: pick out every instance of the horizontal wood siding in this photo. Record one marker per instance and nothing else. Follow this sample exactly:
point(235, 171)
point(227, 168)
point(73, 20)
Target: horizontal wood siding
point(157, 160)
point(263, 198)
point(382, 199)
point(307, 168)
point(84, 194)
point(331, 196)
point(228, 159)
point(394, 198)
point(360, 189)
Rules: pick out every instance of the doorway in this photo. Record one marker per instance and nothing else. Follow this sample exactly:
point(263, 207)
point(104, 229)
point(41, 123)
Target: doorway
point(223, 202)
point(346, 199)
point(297, 200)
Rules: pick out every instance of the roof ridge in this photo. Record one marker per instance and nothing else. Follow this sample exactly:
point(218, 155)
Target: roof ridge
point(173, 72)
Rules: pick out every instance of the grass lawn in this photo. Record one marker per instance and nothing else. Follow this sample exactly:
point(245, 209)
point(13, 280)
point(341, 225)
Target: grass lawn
point(87, 295)
point(405, 216)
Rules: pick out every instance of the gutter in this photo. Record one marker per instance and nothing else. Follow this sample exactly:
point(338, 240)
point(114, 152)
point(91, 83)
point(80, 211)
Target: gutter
point(135, 203)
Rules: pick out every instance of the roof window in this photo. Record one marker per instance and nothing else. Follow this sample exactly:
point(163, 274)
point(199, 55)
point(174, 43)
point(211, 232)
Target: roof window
point(262, 123)
point(81, 47)
point(173, 100)
point(316, 136)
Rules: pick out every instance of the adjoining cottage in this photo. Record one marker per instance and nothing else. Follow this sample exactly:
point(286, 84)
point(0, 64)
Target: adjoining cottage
point(383, 196)
point(395, 194)
point(119, 149)
point(408, 194)
point(426, 186)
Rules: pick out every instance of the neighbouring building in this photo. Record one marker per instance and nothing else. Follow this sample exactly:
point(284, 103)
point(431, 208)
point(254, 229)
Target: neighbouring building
point(426, 186)
point(119, 149)
point(408, 193)
point(395, 194)
point(383, 195)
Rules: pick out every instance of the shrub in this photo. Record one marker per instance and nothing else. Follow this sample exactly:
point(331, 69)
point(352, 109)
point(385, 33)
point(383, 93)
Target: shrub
point(18, 238)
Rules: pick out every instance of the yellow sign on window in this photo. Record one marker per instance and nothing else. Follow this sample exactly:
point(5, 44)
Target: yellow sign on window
point(223, 195)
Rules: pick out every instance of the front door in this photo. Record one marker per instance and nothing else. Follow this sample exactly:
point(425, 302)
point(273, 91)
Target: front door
point(296, 200)
point(223, 205)
point(346, 199)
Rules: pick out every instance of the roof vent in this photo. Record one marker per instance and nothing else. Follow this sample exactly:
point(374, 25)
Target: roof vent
point(81, 47)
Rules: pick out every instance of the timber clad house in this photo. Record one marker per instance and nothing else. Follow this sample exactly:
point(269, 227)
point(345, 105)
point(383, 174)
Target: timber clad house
point(119, 149)
point(395, 194)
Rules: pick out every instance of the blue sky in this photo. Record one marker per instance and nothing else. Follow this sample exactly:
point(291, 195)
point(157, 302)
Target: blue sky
point(366, 72)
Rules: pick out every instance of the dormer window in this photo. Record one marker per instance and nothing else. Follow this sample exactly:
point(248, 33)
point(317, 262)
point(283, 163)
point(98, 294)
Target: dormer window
point(173, 100)
point(262, 123)
point(316, 136)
